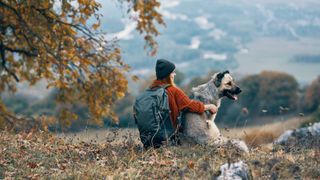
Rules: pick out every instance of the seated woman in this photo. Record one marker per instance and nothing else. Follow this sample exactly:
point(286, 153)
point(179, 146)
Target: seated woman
point(178, 100)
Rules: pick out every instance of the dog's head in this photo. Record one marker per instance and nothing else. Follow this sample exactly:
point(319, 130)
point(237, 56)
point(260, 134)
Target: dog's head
point(226, 85)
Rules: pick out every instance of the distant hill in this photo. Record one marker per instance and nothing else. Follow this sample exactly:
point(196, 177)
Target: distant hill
point(206, 35)
point(306, 59)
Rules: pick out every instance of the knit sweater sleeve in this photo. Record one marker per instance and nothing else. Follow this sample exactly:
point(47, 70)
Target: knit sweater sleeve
point(184, 102)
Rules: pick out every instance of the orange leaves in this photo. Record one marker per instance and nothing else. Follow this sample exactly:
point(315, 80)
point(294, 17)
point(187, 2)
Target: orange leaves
point(84, 2)
point(135, 78)
point(32, 165)
point(73, 32)
point(120, 94)
point(190, 164)
point(148, 16)
point(66, 117)
point(68, 40)
point(80, 41)
point(96, 26)
point(45, 4)
point(83, 20)
point(81, 1)
point(85, 61)
point(70, 53)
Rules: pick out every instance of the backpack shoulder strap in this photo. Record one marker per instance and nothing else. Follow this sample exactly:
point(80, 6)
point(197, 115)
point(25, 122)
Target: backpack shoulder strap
point(166, 86)
point(157, 87)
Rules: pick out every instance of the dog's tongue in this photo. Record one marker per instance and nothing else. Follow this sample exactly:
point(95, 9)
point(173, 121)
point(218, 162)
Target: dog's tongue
point(235, 98)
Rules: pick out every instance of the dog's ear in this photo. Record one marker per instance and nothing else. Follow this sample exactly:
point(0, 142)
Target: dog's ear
point(226, 72)
point(218, 79)
point(220, 75)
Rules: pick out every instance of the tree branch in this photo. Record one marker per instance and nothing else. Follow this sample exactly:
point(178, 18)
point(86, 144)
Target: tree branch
point(26, 52)
point(2, 53)
point(82, 29)
point(27, 26)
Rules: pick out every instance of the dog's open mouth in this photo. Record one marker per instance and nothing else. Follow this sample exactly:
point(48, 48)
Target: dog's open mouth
point(231, 96)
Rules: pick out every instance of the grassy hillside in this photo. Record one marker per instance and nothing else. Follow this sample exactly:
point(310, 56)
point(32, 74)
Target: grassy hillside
point(117, 154)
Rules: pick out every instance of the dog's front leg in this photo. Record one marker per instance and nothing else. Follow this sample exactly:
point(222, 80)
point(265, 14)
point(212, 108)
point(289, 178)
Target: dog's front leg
point(209, 115)
point(213, 130)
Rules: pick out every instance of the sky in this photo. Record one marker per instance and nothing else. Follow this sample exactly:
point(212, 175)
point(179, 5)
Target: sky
point(263, 52)
point(239, 35)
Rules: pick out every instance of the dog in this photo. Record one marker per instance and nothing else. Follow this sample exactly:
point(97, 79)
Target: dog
point(201, 128)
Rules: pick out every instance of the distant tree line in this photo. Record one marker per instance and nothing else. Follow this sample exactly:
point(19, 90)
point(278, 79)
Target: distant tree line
point(268, 94)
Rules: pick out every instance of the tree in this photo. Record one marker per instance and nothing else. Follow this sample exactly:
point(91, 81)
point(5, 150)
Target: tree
point(312, 96)
point(269, 92)
point(60, 41)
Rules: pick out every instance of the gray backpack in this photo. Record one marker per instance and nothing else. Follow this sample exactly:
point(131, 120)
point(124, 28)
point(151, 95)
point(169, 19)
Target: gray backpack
point(152, 116)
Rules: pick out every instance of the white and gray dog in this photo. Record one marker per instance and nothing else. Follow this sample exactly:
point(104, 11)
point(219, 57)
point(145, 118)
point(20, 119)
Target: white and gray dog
point(201, 128)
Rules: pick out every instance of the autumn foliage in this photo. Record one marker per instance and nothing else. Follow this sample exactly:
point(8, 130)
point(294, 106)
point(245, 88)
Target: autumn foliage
point(60, 41)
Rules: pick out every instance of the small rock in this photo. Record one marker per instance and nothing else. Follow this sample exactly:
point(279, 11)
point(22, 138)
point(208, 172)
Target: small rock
point(234, 171)
point(307, 137)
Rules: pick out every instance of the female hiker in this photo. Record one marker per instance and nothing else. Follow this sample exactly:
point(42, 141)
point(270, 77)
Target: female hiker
point(178, 100)
point(156, 110)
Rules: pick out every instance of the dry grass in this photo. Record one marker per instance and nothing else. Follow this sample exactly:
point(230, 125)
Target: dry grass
point(111, 135)
point(41, 155)
point(258, 135)
point(253, 135)
point(117, 154)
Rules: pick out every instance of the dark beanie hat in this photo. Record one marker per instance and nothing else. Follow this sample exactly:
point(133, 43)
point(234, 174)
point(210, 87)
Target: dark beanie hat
point(164, 68)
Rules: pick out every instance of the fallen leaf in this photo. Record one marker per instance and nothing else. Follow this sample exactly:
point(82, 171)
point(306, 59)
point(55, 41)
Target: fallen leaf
point(32, 165)
point(190, 164)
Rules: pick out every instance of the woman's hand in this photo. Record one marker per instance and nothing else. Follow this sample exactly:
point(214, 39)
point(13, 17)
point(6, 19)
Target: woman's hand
point(211, 107)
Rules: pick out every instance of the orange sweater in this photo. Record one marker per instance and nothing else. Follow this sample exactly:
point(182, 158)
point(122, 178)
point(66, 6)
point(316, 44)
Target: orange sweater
point(179, 101)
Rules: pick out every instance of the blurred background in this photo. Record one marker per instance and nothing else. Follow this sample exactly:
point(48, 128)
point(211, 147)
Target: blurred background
point(271, 48)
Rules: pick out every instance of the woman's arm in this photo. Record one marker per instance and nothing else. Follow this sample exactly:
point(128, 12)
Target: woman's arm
point(184, 102)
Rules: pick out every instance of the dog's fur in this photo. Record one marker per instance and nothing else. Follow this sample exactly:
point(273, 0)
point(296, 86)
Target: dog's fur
point(202, 128)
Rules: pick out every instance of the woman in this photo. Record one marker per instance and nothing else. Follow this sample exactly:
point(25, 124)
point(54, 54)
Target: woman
point(178, 100)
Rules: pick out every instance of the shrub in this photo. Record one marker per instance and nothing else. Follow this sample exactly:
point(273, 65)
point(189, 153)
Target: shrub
point(312, 96)
point(269, 93)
